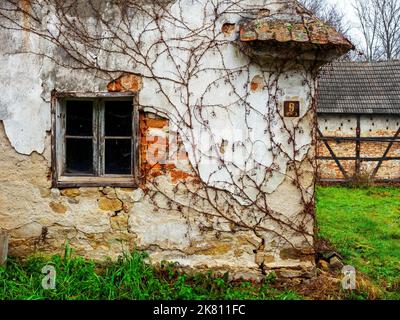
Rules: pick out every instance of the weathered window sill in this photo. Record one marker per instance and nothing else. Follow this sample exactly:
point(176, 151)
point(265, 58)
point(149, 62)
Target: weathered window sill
point(109, 181)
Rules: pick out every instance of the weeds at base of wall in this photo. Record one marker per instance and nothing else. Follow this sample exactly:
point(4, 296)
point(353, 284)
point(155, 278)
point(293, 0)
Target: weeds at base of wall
point(360, 180)
point(132, 278)
point(128, 278)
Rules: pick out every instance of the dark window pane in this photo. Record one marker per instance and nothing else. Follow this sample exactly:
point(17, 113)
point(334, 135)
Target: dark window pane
point(79, 156)
point(79, 118)
point(118, 156)
point(118, 118)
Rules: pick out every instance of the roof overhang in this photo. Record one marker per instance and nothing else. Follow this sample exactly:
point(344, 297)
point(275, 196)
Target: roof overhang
point(307, 39)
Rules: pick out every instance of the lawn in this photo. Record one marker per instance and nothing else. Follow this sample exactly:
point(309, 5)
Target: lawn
point(364, 226)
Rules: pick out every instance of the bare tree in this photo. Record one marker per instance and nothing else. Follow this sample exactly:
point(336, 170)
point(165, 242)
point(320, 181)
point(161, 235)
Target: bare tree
point(334, 17)
point(328, 13)
point(379, 21)
point(368, 19)
point(389, 27)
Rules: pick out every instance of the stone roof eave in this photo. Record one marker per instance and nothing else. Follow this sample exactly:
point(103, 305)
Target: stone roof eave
point(308, 35)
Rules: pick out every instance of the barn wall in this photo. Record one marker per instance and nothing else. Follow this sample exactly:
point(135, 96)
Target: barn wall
point(371, 126)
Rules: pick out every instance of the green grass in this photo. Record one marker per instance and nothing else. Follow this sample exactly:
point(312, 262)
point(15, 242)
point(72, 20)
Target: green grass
point(364, 226)
point(130, 278)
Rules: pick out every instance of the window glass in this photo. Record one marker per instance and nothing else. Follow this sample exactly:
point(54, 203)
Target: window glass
point(118, 155)
point(79, 156)
point(79, 118)
point(118, 118)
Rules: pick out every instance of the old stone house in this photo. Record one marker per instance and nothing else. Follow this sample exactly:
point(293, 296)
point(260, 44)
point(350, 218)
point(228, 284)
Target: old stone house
point(359, 121)
point(183, 128)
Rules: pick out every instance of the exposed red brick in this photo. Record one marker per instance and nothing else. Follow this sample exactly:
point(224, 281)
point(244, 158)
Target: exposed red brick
point(154, 151)
point(178, 175)
point(115, 86)
point(126, 83)
point(156, 123)
point(257, 84)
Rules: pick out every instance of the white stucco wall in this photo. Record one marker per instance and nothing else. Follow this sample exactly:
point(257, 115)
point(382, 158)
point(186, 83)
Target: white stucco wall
point(371, 125)
point(216, 100)
point(36, 78)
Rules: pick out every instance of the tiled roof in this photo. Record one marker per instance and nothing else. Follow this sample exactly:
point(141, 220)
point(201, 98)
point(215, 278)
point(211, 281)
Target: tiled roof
point(293, 24)
point(362, 88)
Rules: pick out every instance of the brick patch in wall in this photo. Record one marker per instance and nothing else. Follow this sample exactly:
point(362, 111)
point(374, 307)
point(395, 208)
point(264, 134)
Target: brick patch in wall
point(158, 157)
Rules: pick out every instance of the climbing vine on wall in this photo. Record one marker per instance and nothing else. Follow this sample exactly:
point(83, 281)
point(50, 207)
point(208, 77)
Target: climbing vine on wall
point(223, 99)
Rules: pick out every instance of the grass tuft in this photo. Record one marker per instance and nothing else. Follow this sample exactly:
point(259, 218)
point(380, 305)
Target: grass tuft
point(128, 278)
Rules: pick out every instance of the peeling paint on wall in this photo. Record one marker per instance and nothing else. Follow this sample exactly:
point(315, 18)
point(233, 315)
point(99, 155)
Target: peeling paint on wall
point(227, 125)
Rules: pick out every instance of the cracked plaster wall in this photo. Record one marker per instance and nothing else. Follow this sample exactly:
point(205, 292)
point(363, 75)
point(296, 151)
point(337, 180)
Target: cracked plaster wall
point(103, 222)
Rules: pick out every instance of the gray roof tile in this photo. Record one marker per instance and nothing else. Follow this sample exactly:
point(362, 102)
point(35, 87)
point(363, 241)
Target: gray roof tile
point(360, 87)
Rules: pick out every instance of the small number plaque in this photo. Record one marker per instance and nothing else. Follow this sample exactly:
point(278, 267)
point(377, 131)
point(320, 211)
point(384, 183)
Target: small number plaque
point(292, 109)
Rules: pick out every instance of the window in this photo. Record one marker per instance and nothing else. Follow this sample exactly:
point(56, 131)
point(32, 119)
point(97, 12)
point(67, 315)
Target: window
point(94, 140)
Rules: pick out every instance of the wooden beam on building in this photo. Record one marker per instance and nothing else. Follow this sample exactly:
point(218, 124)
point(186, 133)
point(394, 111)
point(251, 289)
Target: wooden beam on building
point(389, 147)
point(333, 154)
point(360, 158)
point(361, 139)
point(358, 146)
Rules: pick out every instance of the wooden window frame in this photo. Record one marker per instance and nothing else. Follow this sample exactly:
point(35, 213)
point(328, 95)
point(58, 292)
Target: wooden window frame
point(61, 180)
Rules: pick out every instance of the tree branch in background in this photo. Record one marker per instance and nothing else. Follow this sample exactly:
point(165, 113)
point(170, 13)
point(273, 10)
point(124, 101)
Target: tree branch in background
point(328, 13)
point(333, 16)
point(379, 22)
